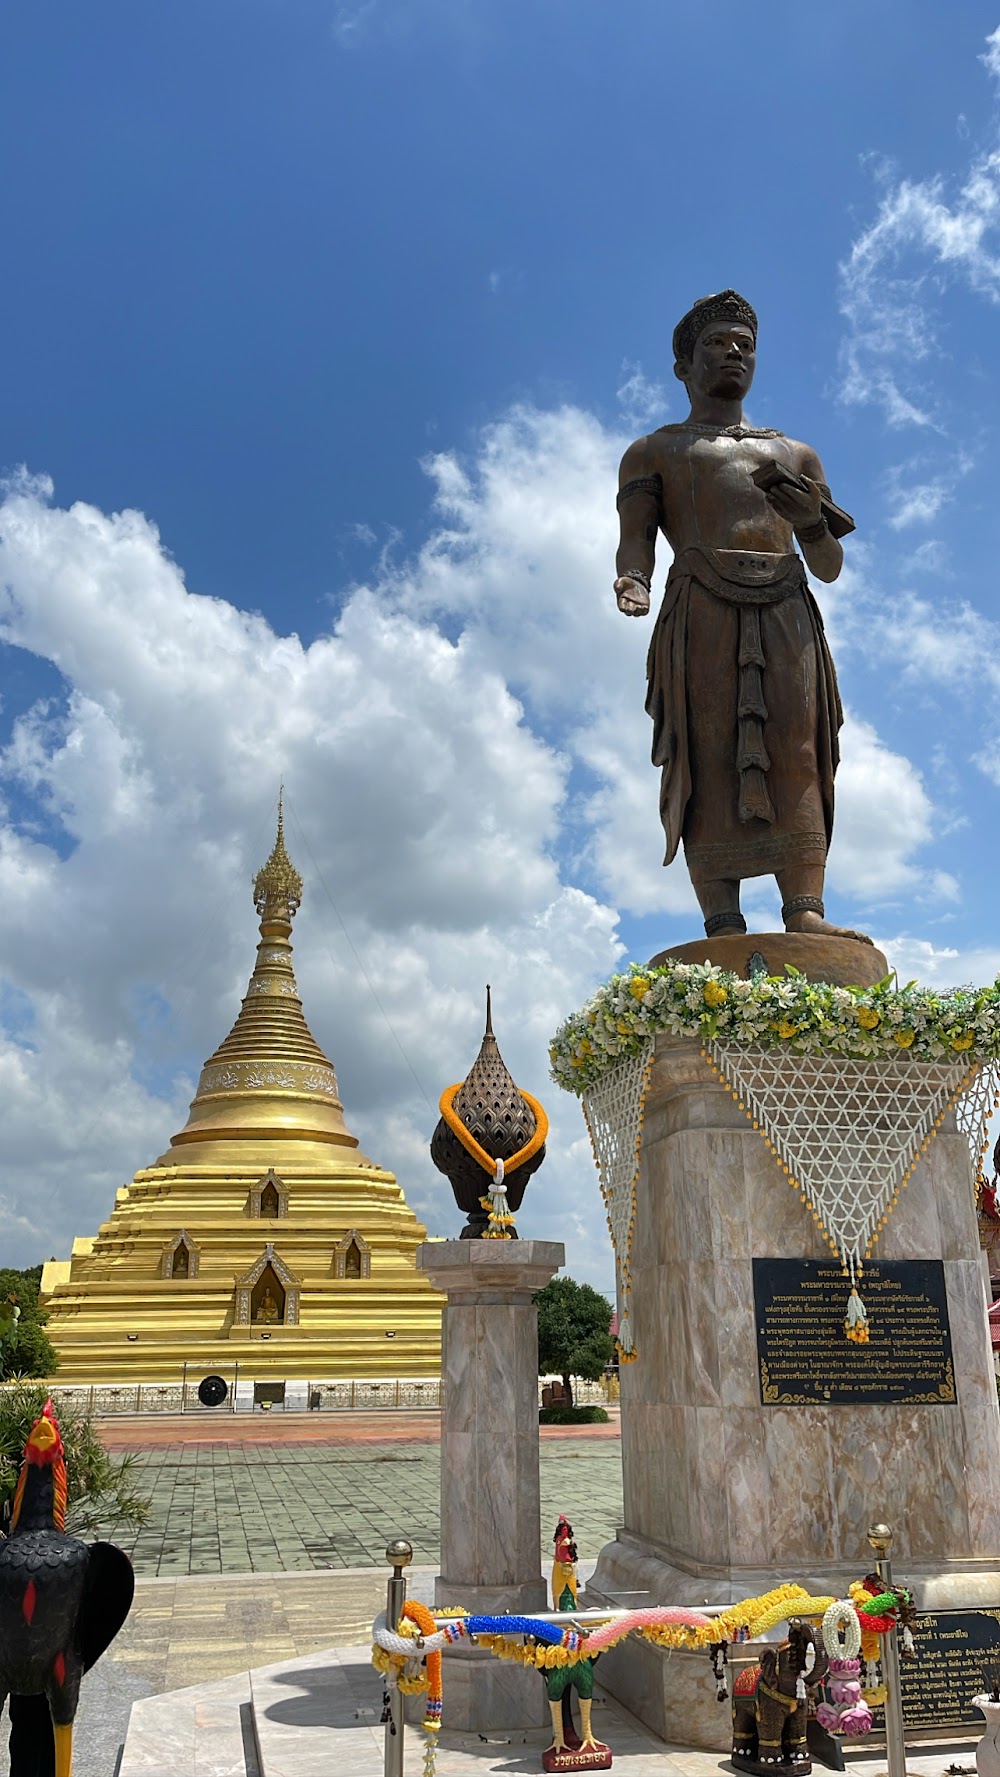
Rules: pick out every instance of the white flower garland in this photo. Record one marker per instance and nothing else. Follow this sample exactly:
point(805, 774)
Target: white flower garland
point(782, 1012)
point(841, 1613)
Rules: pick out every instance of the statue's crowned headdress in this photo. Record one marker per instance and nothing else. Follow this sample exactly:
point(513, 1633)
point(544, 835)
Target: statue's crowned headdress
point(725, 305)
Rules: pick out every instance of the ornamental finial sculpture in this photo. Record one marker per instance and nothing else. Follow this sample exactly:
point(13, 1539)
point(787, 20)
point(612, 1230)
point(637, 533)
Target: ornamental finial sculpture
point(490, 1139)
point(277, 889)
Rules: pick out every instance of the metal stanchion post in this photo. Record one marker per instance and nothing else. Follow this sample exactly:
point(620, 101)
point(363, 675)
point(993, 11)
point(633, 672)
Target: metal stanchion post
point(880, 1536)
point(399, 1554)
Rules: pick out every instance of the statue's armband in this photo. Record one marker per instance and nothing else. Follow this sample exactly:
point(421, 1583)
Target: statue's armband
point(643, 484)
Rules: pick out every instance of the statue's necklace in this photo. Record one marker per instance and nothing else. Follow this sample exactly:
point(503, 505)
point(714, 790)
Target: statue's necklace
point(739, 431)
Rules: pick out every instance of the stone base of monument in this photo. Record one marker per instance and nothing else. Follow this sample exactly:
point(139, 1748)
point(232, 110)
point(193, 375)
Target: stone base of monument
point(484, 1694)
point(673, 1693)
point(845, 962)
point(747, 1457)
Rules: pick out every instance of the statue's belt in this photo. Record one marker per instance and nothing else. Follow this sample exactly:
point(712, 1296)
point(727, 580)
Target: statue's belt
point(741, 576)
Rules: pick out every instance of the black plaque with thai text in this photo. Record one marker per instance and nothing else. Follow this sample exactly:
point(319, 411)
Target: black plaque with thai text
point(958, 1652)
point(805, 1358)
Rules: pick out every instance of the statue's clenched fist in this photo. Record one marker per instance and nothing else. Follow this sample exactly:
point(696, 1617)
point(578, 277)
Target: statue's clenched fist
point(632, 596)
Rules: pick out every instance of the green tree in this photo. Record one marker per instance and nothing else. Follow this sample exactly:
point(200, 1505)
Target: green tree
point(101, 1491)
point(573, 1337)
point(25, 1346)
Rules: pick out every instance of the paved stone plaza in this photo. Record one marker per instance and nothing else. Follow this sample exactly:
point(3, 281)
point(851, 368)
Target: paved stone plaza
point(263, 1504)
point(300, 1494)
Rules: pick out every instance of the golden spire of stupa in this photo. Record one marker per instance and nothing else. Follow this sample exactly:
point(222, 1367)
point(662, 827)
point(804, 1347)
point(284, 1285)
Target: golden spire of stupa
point(270, 1074)
point(277, 887)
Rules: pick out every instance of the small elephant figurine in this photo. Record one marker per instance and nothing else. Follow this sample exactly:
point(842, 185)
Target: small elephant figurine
point(771, 1704)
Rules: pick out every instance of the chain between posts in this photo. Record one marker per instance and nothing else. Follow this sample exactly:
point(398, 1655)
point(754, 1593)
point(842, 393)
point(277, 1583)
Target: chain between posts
point(399, 1554)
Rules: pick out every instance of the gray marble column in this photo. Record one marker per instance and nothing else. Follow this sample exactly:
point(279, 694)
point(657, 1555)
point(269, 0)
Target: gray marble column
point(490, 1506)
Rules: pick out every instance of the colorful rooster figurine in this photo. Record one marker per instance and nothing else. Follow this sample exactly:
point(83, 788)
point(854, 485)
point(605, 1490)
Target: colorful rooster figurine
point(569, 1750)
point(62, 1602)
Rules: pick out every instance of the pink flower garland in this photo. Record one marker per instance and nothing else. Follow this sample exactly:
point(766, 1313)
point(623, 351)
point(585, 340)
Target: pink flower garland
point(645, 1619)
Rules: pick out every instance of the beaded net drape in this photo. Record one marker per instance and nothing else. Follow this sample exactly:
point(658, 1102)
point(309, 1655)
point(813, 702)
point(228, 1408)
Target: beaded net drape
point(613, 1108)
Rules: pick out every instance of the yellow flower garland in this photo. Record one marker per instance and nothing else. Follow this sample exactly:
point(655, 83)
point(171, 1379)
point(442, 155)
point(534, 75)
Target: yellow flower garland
point(479, 1153)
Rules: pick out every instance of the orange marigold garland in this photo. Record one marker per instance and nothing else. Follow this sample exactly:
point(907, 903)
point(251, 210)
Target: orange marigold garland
point(417, 1613)
point(501, 1221)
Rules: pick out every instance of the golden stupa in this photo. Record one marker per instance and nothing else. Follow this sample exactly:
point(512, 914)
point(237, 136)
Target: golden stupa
point(263, 1237)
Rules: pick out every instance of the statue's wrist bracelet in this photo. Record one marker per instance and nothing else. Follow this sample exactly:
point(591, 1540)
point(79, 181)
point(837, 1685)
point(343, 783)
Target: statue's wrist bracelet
point(637, 575)
point(812, 533)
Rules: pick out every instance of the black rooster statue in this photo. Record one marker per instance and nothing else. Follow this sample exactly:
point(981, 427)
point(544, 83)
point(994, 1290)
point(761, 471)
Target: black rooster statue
point(62, 1602)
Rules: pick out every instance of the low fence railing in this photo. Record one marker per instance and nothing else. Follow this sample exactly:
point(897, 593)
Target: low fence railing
point(388, 1394)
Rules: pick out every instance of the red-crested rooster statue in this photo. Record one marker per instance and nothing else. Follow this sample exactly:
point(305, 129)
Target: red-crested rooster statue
point(62, 1602)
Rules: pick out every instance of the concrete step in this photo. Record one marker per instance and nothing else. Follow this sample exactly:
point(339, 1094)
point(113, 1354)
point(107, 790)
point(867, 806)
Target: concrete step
point(314, 1716)
point(205, 1730)
point(320, 1716)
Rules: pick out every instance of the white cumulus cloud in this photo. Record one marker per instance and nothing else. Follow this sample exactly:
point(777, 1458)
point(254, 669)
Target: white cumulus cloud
point(927, 235)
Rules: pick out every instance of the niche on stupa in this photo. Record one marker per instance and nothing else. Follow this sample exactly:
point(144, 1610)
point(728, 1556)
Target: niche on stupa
point(268, 1198)
point(180, 1256)
point(352, 1258)
point(268, 1294)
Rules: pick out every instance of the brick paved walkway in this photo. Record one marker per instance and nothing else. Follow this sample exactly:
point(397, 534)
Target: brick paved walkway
point(230, 1497)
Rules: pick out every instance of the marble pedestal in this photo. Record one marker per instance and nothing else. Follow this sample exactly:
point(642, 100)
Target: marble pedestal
point(724, 1497)
point(490, 1504)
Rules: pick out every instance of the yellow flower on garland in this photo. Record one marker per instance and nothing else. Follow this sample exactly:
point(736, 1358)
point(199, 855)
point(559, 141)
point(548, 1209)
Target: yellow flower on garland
point(586, 1047)
point(904, 1037)
point(624, 1030)
point(965, 1042)
point(868, 1018)
point(715, 993)
point(638, 987)
point(787, 1029)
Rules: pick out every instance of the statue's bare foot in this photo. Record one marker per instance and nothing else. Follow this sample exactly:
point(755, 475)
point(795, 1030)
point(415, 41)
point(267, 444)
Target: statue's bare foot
point(813, 925)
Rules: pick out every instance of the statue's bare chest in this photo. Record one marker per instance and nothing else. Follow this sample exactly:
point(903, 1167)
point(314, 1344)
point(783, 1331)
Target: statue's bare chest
point(708, 489)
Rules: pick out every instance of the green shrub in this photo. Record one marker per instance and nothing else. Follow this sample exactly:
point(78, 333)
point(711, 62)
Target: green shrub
point(572, 1416)
point(28, 1350)
point(101, 1490)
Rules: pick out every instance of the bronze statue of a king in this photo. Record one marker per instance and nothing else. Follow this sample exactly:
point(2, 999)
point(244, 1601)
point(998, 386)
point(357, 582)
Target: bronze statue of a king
point(742, 690)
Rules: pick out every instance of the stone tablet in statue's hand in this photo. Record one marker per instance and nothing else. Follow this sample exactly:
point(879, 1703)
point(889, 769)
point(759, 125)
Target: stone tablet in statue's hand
point(800, 506)
point(632, 596)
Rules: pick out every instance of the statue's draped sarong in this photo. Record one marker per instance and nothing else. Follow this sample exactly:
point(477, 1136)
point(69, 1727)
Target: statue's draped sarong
point(745, 708)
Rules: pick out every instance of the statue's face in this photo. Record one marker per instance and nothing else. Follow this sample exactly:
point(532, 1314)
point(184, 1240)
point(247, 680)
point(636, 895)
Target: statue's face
point(723, 363)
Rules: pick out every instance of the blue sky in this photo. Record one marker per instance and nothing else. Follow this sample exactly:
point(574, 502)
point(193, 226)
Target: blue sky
point(350, 311)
